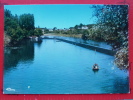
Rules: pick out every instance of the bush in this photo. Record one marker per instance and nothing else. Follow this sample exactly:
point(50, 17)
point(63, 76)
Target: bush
point(84, 36)
point(7, 39)
point(121, 58)
point(38, 32)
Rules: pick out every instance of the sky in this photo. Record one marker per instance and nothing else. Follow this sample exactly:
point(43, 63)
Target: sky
point(60, 16)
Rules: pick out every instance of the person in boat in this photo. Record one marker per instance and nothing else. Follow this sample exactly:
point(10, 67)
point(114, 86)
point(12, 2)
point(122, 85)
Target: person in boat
point(95, 66)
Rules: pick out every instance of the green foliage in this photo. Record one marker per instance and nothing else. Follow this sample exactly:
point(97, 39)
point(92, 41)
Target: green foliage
point(55, 28)
point(15, 34)
point(84, 37)
point(80, 26)
point(46, 30)
point(10, 20)
point(7, 39)
point(18, 27)
point(121, 58)
point(38, 32)
point(113, 23)
point(26, 21)
point(7, 13)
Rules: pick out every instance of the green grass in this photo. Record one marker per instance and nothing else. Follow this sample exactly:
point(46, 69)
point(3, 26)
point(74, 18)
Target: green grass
point(66, 35)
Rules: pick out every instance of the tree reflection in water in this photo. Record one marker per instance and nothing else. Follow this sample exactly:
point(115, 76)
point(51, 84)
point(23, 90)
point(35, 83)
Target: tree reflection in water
point(120, 85)
point(24, 53)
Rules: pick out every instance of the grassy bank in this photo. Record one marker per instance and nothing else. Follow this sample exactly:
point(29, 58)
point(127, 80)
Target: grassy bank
point(65, 35)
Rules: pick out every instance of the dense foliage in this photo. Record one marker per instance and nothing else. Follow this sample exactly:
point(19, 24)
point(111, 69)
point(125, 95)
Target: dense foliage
point(26, 21)
point(112, 24)
point(37, 32)
point(19, 27)
point(121, 58)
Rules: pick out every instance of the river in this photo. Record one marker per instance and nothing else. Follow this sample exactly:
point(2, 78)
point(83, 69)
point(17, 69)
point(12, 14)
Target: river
point(56, 67)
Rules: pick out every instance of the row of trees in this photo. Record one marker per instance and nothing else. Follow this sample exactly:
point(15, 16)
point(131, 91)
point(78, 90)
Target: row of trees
point(19, 27)
point(77, 29)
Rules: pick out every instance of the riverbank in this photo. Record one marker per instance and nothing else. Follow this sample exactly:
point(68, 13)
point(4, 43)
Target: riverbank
point(9, 43)
point(65, 35)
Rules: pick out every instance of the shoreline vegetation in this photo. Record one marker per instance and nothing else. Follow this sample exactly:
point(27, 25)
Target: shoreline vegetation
point(64, 35)
point(111, 27)
point(18, 28)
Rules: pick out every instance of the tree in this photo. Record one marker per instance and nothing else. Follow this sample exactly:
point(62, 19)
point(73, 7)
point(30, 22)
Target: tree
point(15, 34)
point(46, 30)
point(76, 27)
point(55, 28)
point(81, 25)
point(113, 20)
point(26, 21)
point(7, 13)
point(10, 20)
point(38, 32)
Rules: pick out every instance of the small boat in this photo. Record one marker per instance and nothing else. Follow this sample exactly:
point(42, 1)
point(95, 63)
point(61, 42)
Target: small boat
point(95, 67)
point(95, 70)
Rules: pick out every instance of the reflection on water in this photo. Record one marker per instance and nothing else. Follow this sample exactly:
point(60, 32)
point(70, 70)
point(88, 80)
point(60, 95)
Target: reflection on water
point(122, 87)
point(95, 71)
point(55, 67)
point(119, 85)
point(13, 55)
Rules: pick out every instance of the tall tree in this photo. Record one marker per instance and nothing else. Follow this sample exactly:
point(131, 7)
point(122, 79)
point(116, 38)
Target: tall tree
point(26, 21)
point(10, 20)
point(113, 20)
point(81, 25)
point(55, 28)
point(7, 13)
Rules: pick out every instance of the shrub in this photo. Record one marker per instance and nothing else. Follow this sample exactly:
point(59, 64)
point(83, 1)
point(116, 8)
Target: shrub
point(121, 58)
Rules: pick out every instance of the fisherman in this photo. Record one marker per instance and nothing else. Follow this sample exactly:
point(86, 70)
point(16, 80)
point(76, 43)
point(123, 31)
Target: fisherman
point(95, 66)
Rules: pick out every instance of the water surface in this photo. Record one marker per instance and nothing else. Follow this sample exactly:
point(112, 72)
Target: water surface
point(55, 67)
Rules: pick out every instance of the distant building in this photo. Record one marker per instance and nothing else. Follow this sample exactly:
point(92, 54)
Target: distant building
point(84, 27)
point(51, 30)
point(66, 29)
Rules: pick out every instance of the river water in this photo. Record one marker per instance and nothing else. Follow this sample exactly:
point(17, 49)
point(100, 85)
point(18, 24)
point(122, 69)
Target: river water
point(55, 67)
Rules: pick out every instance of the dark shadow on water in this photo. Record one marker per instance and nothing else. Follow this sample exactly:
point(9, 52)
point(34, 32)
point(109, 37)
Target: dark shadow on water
point(95, 71)
point(120, 85)
point(14, 55)
point(38, 44)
